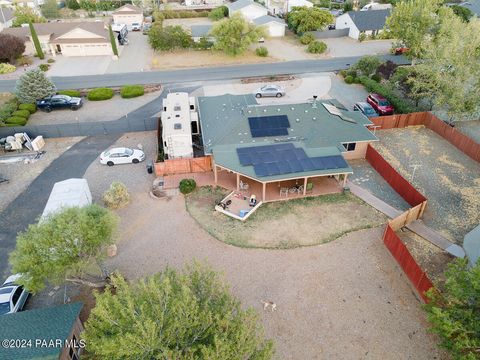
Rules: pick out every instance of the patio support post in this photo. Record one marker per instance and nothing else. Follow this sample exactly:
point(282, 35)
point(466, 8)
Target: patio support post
point(345, 179)
point(305, 186)
point(215, 173)
point(238, 182)
point(263, 191)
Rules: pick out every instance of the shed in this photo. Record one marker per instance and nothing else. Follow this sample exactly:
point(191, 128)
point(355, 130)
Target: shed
point(48, 333)
point(275, 26)
point(68, 193)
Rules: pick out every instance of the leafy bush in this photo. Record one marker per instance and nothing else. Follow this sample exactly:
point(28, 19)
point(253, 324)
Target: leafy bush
point(11, 47)
point(7, 109)
point(218, 13)
point(368, 65)
point(7, 68)
point(24, 60)
point(131, 91)
point(50, 61)
point(21, 113)
point(302, 19)
point(261, 51)
point(362, 37)
point(187, 186)
point(400, 105)
point(31, 108)
point(343, 73)
point(100, 94)
point(16, 120)
point(182, 14)
point(376, 77)
point(168, 38)
point(307, 38)
point(386, 69)
point(44, 67)
point(349, 79)
point(204, 43)
point(72, 93)
point(116, 196)
point(317, 47)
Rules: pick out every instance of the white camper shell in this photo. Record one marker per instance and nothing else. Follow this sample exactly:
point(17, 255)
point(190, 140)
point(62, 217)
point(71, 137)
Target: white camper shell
point(67, 193)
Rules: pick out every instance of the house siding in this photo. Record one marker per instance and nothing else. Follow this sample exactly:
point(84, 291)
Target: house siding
point(359, 152)
point(76, 330)
point(127, 19)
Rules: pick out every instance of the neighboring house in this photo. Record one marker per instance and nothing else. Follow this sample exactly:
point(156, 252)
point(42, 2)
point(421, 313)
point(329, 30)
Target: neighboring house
point(51, 333)
point(34, 4)
point(67, 38)
point(376, 6)
point(199, 31)
point(6, 18)
point(472, 5)
point(275, 26)
point(369, 22)
point(204, 2)
point(128, 14)
point(281, 7)
point(269, 145)
point(249, 9)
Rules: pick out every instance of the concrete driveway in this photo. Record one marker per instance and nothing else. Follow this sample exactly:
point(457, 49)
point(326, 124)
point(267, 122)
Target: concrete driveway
point(134, 57)
point(79, 65)
point(345, 46)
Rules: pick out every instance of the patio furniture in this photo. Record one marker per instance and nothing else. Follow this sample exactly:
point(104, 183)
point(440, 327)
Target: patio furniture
point(296, 189)
point(284, 191)
point(243, 213)
point(243, 186)
point(309, 187)
point(253, 200)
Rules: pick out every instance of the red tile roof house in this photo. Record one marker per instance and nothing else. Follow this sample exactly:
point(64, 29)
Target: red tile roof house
point(67, 38)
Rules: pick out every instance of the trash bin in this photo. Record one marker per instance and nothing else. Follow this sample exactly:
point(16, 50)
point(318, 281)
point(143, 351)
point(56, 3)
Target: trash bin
point(150, 167)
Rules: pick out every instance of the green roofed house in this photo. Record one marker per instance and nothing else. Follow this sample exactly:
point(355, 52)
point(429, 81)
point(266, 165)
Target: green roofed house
point(43, 334)
point(281, 151)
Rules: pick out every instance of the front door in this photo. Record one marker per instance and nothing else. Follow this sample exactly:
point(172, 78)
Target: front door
point(59, 49)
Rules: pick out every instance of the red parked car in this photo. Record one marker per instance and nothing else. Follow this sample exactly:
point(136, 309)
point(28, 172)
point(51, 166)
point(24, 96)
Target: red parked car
point(380, 104)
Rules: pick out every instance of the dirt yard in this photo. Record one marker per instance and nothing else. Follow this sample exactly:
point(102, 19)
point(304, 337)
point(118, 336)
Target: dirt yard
point(346, 299)
point(20, 175)
point(284, 224)
point(449, 179)
point(470, 128)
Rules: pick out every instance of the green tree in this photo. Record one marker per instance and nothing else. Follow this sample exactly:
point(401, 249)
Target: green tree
point(33, 85)
point(450, 68)
point(454, 314)
point(218, 13)
point(368, 65)
point(62, 246)
point(302, 19)
point(464, 13)
point(413, 23)
point(168, 38)
point(113, 40)
point(25, 15)
point(50, 9)
point(234, 35)
point(173, 315)
point(36, 42)
point(72, 4)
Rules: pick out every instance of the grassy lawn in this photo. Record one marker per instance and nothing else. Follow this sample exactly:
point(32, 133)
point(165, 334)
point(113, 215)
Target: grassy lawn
point(284, 224)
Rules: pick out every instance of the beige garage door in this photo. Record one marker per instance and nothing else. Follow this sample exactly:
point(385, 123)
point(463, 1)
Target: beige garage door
point(85, 49)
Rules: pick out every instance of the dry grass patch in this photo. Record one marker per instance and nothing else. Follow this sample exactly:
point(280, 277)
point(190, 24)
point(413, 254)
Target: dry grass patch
point(284, 224)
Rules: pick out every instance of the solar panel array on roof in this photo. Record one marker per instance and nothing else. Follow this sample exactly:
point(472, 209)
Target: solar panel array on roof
point(281, 159)
point(275, 125)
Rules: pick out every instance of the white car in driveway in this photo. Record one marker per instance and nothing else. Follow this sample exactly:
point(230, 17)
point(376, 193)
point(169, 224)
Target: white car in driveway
point(121, 155)
point(12, 296)
point(270, 91)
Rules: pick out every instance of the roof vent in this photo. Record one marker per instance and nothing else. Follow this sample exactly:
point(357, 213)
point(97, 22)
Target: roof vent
point(297, 120)
point(279, 109)
point(292, 108)
point(314, 101)
point(314, 118)
point(264, 110)
point(306, 111)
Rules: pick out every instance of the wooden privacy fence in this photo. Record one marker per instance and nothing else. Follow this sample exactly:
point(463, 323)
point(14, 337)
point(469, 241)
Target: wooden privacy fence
point(396, 181)
point(183, 166)
point(461, 141)
point(408, 216)
point(414, 272)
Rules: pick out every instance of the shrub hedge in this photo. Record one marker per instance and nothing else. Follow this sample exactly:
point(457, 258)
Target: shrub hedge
point(187, 186)
point(72, 93)
point(7, 68)
point(400, 105)
point(317, 47)
point(31, 108)
point(116, 196)
point(21, 113)
point(131, 91)
point(307, 38)
point(349, 79)
point(44, 67)
point(261, 51)
point(182, 14)
point(100, 94)
point(16, 120)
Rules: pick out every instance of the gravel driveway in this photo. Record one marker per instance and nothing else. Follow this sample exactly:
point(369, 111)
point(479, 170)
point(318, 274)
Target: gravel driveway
point(92, 111)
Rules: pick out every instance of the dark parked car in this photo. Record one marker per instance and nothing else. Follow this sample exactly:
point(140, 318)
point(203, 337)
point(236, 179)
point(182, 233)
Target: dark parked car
point(365, 108)
point(59, 102)
point(380, 104)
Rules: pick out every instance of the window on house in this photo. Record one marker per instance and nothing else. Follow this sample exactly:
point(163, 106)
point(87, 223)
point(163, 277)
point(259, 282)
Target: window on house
point(350, 146)
point(194, 127)
point(177, 108)
point(192, 107)
point(177, 126)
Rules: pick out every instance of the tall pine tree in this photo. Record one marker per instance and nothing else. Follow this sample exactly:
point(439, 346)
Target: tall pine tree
point(36, 42)
point(33, 85)
point(112, 40)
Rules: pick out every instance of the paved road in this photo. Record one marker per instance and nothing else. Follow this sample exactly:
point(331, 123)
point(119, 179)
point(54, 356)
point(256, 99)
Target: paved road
point(202, 74)
point(28, 206)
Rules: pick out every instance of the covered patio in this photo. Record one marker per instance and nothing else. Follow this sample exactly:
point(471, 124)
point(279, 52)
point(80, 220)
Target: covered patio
point(280, 189)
